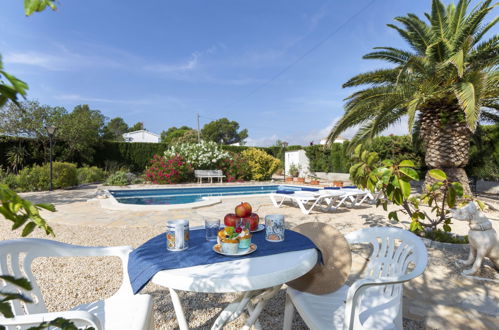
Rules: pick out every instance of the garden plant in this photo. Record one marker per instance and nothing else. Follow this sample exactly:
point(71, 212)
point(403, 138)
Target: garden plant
point(393, 182)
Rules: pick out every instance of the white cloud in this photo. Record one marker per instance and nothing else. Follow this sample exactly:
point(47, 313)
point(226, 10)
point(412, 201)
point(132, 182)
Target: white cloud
point(188, 65)
point(64, 60)
point(46, 61)
point(80, 98)
point(158, 100)
point(262, 142)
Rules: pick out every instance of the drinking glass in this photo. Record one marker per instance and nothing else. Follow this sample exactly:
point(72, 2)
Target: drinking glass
point(211, 227)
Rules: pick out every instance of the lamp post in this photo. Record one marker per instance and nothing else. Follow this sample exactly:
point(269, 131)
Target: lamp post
point(284, 145)
point(51, 131)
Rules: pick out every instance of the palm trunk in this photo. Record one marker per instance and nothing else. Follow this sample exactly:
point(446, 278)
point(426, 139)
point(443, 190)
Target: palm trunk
point(446, 137)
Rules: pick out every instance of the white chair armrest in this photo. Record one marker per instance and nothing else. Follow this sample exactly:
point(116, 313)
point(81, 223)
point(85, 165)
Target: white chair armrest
point(82, 317)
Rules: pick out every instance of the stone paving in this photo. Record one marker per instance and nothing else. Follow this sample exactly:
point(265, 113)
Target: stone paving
point(441, 298)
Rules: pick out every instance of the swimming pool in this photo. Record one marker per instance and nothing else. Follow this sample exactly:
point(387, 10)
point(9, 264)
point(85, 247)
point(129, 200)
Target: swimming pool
point(175, 196)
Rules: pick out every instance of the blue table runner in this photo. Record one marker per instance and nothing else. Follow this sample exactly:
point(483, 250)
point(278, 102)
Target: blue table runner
point(152, 256)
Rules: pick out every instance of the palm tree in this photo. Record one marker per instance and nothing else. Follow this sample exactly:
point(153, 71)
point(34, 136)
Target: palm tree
point(445, 84)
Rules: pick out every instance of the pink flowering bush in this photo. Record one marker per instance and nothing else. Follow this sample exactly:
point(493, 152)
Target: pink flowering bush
point(164, 170)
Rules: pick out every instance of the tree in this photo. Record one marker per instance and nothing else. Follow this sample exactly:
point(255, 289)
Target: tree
point(223, 131)
point(81, 129)
point(174, 133)
point(445, 83)
point(137, 127)
point(115, 129)
point(29, 118)
point(190, 136)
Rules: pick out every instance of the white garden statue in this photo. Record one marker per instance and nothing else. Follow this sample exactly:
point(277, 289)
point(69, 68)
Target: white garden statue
point(484, 242)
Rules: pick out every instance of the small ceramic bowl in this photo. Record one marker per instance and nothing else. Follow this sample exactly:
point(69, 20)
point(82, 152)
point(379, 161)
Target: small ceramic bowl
point(230, 248)
point(244, 243)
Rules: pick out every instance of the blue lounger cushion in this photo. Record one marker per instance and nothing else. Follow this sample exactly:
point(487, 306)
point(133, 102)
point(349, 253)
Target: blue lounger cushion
point(332, 188)
point(288, 192)
point(350, 187)
point(309, 189)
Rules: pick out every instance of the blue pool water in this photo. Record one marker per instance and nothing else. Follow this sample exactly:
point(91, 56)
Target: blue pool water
point(189, 195)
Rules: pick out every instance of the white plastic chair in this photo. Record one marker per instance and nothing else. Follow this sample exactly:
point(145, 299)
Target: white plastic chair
point(374, 301)
point(123, 310)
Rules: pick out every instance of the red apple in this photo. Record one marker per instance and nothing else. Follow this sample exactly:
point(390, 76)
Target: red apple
point(230, 220)
point(253, 220)
point(243, 210)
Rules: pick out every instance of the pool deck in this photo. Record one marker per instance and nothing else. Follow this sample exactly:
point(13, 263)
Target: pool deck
point(440, 298)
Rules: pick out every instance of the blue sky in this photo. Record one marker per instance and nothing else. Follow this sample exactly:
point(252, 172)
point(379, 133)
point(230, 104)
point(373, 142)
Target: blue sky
point(161, 62)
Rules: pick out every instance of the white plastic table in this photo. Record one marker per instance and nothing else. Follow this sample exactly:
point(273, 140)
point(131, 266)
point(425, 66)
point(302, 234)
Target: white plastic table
point(257, 279)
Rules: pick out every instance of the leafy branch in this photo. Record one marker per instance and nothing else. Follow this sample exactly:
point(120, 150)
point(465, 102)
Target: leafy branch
point(393, 181)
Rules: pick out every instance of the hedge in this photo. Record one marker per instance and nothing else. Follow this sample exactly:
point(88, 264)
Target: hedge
point(484, 153)
point(328, 159)
point(133, 156)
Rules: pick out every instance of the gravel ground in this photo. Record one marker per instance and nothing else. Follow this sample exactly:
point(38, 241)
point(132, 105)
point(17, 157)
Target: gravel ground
point(66, 282)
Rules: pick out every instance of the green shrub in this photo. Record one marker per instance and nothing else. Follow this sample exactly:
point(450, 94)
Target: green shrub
point(64, 175)
point(90, 174)
point(445, 237)
point(484, 153)
point(119, 178)
point(38, 177)
point(10, 180)
point(261, 164)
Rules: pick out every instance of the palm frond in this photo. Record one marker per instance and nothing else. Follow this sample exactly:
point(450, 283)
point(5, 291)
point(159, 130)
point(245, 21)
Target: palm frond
point(376, 126)
point(374, 77)
point(390, 54)
point(458, 16)
point(412, 107)
point(479, 35)
point(439, 51)
point(458, 61)
point(419, 33)
point(465, 94)
point(438, 19)
point(471, 24)
point(485, 54)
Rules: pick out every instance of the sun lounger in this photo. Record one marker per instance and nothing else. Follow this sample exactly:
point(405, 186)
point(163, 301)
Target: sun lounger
point(305, 200)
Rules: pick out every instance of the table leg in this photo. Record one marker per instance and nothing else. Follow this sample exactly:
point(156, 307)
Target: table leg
point(233, 310)
point(255, 307)
point(179, 311)
point(244, 301)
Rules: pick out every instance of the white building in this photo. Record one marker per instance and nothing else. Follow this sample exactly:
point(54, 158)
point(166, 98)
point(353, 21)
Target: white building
point(299, 159)
point(339, 139)
point(141, 136)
